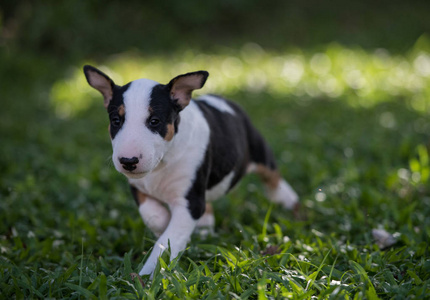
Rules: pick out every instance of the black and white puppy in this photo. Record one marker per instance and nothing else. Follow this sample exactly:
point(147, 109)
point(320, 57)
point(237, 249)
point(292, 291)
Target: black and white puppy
point(179, 153)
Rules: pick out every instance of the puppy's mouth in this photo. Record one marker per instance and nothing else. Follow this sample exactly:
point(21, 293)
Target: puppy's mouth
point(134, 174)
point(133, 169)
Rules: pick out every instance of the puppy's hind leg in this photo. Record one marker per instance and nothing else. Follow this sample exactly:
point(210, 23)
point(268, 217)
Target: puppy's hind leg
point(277, 189)
point(205, 225)
point(263, 163)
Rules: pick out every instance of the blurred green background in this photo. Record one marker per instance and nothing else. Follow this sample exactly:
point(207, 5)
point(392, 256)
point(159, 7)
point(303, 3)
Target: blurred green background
point(340, 89)
point(82, 29)
point(305, 48)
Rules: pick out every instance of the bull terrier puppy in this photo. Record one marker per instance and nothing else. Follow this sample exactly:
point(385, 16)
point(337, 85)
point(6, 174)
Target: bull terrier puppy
point(178, 154)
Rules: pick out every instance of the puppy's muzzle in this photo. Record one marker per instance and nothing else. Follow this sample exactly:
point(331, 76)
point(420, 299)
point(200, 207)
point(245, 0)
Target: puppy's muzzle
point(129, 164)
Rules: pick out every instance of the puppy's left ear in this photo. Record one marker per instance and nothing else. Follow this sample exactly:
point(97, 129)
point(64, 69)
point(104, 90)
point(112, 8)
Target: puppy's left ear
point(182, 86)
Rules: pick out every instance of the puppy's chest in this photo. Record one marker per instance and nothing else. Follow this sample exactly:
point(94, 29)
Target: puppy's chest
point(164, 185)
point(171, 185)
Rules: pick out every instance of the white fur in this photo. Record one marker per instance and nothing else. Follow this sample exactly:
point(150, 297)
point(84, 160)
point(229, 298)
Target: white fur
point(176, 236)
point(220, 189)
point(181, 159)
point(134, 139)
point(252, 167)
point(155, 215)
point(217, 103)
point(284, 195)
point(206, 224)
point(207, 220)
point(165, 171)
point(170, 180)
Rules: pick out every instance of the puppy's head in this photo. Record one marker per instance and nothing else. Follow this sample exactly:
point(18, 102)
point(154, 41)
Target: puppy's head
point(144, 117)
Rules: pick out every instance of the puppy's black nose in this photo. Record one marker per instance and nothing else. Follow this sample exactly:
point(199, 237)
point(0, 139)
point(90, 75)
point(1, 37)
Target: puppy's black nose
point(129, 163)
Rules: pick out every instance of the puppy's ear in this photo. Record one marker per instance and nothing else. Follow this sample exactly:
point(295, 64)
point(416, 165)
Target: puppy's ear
point(101, 82)
point(182, 86)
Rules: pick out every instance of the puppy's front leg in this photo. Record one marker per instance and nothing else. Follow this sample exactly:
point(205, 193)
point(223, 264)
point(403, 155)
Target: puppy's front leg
point(177, 234)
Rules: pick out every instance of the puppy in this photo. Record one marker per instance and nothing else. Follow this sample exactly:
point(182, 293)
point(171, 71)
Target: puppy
point(179, 153)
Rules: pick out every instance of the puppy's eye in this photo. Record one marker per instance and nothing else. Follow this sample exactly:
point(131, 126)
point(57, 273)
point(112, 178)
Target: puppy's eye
point(116, 121)
point(154, 121)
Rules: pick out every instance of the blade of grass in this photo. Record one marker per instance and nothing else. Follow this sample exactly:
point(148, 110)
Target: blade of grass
point(82, 262)
point(266, 221)
point(261, 287)
point(314, 275)
point(371, 292)
point(81, 291)
point(103, 287)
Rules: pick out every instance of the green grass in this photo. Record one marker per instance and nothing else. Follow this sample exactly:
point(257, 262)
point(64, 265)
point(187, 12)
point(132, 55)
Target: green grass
point(70, 228)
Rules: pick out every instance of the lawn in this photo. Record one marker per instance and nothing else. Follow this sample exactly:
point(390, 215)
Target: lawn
point(349, 126)
point(70, 228)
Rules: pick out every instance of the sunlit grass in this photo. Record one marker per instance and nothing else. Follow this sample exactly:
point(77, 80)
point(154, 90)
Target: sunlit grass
point(349, 128)
point(362, 78)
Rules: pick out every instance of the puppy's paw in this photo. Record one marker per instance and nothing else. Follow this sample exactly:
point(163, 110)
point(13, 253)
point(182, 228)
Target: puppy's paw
point(284, 195)
point(205, 232)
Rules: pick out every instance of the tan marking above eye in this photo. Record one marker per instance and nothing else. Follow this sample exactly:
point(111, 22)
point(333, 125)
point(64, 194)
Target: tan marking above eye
point(121, 110)
point(170, 132)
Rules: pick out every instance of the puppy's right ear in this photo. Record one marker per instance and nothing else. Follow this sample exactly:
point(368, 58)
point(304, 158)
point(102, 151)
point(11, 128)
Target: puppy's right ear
point(101, 82)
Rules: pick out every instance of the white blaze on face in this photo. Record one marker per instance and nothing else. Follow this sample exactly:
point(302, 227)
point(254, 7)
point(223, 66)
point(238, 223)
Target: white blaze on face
point(134, 139)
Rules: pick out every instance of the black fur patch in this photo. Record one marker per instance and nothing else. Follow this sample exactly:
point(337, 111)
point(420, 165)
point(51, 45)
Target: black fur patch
point(227, 151)
point(134, 193)
point(164, 109)
point(115, 118)
point(228, 143)
point(233, 144)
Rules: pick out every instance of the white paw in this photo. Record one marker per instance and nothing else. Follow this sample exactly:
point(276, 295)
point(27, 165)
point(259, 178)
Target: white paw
point(284, 195)
point(207, 220)
point(150, 264)
point(155, 216)
point(205, 232)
